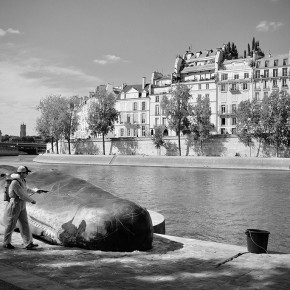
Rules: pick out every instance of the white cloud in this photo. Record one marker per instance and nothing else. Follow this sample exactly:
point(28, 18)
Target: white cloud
point(24, 81)
point(9, 30)
point(265, 26)
point(109, 59)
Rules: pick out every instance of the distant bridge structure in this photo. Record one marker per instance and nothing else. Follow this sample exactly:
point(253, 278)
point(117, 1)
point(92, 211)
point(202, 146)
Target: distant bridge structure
point(28, 148)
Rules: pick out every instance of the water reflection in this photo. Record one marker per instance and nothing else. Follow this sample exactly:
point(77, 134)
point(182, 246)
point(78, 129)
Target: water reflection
point(210, 204)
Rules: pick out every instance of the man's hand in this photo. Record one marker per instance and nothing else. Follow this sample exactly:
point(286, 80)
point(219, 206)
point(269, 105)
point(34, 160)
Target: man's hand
point(33, 202)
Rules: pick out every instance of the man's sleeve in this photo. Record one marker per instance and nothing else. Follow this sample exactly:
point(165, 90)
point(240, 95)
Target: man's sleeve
point(18, 190)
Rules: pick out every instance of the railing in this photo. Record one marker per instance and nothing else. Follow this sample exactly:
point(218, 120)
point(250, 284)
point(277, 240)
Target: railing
point(227, 112)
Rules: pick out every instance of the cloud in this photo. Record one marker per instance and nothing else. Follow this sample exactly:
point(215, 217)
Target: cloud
point(25, 80)
point(109, 59)
point(265, 26)
point(8, 31)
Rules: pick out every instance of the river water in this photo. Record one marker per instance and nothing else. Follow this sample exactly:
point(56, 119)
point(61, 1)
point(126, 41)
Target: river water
point(207, 204)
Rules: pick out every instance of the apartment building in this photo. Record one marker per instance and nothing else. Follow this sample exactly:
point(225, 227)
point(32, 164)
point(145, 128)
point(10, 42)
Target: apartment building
point(160, 87)
point(133, 103)
point(198, 71)
point(234, 84)
point(271, 73)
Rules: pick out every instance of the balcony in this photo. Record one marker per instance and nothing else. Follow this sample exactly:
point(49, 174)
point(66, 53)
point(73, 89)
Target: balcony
point(266, 89)
point(227, 113)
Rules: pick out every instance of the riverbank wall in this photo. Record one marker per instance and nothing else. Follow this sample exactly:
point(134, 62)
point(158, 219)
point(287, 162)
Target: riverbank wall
point(168, 161)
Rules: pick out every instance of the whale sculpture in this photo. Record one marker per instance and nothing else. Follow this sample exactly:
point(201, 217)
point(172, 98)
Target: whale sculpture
point(76, 213)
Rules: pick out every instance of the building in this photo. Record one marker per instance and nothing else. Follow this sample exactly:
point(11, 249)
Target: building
point(160, 87)
point(271, 73)
point(198, 71)
point(234, 84)
point(133, 103)
point(22, 130)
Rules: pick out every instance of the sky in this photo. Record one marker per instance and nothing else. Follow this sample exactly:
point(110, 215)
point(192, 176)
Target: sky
point(69, 47)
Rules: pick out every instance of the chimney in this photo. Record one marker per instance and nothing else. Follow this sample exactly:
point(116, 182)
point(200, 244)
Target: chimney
point(143, 83)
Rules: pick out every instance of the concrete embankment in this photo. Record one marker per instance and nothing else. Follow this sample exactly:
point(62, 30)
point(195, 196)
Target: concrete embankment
point(169, 161)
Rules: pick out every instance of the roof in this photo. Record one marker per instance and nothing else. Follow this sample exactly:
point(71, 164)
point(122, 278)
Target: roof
point(136, 87)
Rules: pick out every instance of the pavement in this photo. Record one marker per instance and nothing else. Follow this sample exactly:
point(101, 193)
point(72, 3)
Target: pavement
point(173, 263)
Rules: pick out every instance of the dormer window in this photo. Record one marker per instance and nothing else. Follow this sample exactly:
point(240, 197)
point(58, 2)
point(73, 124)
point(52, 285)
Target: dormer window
point(258, 64)
point(285, 61)
point(266, 63)
point(275, 62)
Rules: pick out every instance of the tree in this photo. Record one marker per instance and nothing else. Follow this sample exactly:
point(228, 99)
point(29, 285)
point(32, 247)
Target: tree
point(69, 119)
point(50, 123)
point(157, 137)
point(102, 114)
point(200, 125)
point(275, 113)
point(176, 109)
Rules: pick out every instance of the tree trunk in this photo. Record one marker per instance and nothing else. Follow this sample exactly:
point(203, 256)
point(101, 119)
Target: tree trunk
point(179, 146)
point(68, 142)
point(56, 143)
point(259, 147)
point(104, 144)
point(52, 147)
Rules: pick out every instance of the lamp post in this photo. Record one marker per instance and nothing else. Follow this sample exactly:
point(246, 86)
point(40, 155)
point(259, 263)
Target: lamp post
point(71, 109)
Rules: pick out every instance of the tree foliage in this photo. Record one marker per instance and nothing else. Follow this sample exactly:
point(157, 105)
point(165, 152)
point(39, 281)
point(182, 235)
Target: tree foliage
point(56, 120)
point(266, 122)
point(157, 137)
point(200, 125)
point(102, 114)
point(176, 108)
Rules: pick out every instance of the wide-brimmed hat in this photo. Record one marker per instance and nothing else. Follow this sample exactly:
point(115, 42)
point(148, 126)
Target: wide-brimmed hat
point(23, 169)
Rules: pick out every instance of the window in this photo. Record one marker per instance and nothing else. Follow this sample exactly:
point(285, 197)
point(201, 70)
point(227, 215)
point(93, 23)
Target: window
point(275, 72)
point(157, 99)
point(128, 118)
point(257, 95)
point(234, 131)
point(266, 63)
point(284, 84)
point(223, 109)
point(199, 86)
point(275, 84)
point(257, 73)
point(245, 86)
point(157, 110)
point(163, 121)
point(223, 131)
point(143, 131)
point(234, 121)
point(265, 84)
point(285, 61)
point(223, 87)
point(236, 77)
point(266, 73)
point(234, 87)
point(234, 108)
point(143, 118)
point(258, 64)
point(122, 132)
point(135, 132)
point(224, 77)
point(207, 86)
point(128, 132)
point(143, 106)
point(284, 72)
point(156, 121)
point(275, 62)
point(135, 106)
point(223, 121)
point(207, 95)
point(246, 75)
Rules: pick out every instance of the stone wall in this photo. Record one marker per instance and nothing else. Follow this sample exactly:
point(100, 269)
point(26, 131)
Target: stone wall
point(219, 145)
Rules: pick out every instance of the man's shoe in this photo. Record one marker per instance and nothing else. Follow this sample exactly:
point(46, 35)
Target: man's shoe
point(31, 246)
point(8, 246)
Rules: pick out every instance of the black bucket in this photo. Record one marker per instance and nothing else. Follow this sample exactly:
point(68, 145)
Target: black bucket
point(257, 241)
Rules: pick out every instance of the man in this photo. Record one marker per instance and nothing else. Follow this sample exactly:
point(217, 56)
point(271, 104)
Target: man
point(16, 209)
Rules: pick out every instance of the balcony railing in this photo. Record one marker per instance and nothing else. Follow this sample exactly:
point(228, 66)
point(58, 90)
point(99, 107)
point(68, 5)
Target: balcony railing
point(227, 112)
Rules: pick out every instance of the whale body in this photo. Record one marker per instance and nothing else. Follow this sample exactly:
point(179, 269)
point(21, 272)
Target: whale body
point(76, 213)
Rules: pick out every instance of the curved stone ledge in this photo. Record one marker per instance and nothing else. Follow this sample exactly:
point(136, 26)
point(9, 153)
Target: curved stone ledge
point(169, 161)
point(158, 222)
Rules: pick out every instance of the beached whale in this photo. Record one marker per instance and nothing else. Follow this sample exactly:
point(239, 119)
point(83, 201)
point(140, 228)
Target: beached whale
point(77, 213)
